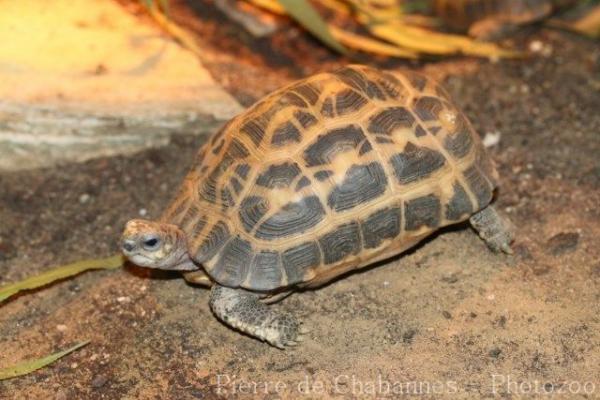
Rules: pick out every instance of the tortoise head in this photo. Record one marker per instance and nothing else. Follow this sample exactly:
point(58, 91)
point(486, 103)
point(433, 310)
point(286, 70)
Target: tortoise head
point(156, 245)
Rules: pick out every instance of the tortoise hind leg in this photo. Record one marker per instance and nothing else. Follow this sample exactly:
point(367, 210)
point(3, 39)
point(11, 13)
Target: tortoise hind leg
point(243, 310)
point(496, 231)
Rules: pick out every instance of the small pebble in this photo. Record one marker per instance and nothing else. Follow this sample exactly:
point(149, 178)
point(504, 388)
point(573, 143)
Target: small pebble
point(408, 336)
point(564, 242)
point(450, 278)
point(99, 381)
point(501, 322)
point(142, 212)
point(124, 299)
point(84, 198)
point(522, 252)
point(491, 139)
point(536, 46)
point(539, 270)
point(74, 287)
point(495, 352)
point(446, 314)
point(61, 328)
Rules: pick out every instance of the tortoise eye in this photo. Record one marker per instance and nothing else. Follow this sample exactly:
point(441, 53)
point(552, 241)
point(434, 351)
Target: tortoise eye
point(151, 243)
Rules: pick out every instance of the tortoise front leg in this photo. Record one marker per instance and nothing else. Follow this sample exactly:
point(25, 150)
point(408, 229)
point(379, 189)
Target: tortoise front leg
point(198, 277)
point(496, 231)
point(242, 310)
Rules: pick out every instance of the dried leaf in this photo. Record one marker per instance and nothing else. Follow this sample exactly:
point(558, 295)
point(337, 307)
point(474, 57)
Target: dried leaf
point(369, 45)
point(385, 20)
point(305, 14)
point(339, 6)
point(178, 33)
point(269, 5)
point(29, 366)
point(423, 21)
point(425, 41)
point(380, 11)
point(58, 273)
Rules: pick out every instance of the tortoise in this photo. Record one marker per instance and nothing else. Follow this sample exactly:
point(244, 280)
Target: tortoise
point(324, 176)
point(491, 19)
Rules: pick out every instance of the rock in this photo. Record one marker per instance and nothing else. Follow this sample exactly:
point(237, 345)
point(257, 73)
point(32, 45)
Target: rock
point(98, 381)
point(539, 270)
point(452, 278)
point(88, 79)
point(407, 337)
point(564, 242)
point(84, 198)
point(500, 322)
point(522, 252)
point(495, 352)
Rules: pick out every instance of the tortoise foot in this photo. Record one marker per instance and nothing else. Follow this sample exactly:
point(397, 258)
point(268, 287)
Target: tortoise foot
point(244, 311)
point(495, 230)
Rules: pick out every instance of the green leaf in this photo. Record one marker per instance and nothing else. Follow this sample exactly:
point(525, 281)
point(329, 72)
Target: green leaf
point(304, 13)
point(58, 273)
point(29, 366)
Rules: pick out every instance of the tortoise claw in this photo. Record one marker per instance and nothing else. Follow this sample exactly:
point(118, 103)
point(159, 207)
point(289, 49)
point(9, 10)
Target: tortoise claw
point(303, 330)
point(506, 249)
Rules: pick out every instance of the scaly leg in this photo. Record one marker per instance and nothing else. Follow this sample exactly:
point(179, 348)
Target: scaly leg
point(243, 310)
point(496, 231)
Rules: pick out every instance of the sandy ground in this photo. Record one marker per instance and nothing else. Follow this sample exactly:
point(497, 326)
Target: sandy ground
point(445, 320)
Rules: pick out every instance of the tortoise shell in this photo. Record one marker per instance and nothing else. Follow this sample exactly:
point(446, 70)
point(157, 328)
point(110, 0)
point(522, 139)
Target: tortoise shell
point(461, 14)
point(328, 174)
